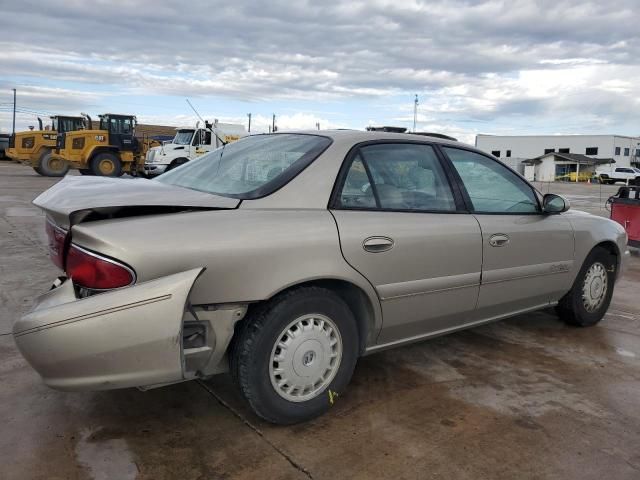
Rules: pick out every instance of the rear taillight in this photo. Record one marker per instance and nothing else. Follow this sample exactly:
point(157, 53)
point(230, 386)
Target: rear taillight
point(90, 270)
point(57, 238)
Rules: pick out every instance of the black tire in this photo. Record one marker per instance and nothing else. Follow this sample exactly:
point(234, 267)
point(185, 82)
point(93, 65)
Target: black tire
point(176, 163)
point(255, 340)
point(50, 167)
point(106, 164)
point(85, 171)
point(37, 170)
point(572, 308)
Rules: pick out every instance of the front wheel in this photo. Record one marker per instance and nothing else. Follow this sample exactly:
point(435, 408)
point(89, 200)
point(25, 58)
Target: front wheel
point(589, 298)
point(295, 355)
point(106, 164)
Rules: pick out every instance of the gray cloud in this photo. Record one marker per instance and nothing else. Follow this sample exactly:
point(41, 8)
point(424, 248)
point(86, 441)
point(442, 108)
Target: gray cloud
point(467, 57)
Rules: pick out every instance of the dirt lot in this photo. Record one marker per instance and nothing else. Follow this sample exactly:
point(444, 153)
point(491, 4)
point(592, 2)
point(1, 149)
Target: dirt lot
point(523, 398)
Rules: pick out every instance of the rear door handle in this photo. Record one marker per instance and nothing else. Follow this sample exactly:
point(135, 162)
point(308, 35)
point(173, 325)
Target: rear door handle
point(377, 244)
point(499, 240)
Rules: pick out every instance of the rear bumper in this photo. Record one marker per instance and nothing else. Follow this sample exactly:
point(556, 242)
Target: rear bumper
point(130, 337)
point(13, 154)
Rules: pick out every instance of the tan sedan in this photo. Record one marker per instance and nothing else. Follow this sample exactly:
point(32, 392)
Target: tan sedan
point(283, 258)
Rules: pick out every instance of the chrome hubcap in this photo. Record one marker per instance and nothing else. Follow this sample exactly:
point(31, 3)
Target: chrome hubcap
point(594, 289)
point(305, 358)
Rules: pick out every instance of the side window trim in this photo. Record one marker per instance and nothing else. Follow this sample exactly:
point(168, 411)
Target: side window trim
point(372, 183)
point(354, 153)
point(465, 193)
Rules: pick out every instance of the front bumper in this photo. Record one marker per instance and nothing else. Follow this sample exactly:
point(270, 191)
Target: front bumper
point(129, 337)
point(153, 169)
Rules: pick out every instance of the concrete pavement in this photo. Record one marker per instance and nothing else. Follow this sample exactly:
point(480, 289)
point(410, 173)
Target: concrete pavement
point(524, 398)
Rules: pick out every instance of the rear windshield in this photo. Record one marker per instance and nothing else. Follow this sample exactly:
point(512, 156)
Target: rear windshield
point(249, 168)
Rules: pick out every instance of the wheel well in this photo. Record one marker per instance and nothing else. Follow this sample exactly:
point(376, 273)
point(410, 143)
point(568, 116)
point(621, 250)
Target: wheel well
point(612, 249)
point(355, 298)
point(179, 161)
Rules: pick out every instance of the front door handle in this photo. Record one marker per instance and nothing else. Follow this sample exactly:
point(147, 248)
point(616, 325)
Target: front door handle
point(499, 240)
point(377, 244)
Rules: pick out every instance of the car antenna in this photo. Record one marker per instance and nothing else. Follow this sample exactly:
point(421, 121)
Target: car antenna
point(205, 123)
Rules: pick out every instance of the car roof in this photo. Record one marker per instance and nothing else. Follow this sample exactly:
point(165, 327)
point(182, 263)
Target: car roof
point(358, 136)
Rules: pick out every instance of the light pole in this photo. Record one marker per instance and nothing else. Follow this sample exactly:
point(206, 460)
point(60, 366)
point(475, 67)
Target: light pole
point(415, 113)
point(249, 115)
point(14, 111)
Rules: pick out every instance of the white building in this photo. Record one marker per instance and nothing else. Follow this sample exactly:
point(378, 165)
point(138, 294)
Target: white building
point(514, 149)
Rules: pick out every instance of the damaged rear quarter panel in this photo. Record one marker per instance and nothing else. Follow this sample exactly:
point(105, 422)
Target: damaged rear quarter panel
point(249, 255)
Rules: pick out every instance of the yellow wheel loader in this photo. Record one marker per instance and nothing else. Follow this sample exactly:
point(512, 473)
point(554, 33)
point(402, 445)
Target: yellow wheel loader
point(34, 147)
point(109, 151)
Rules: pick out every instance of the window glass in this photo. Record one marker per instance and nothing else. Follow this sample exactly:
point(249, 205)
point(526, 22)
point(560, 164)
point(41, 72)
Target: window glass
point(591, 151)
point(617, 151)
point(626, 152)
point(492, 187)
point(496, 153)
point(405, 177)
point(249, 168)
point(357, 191)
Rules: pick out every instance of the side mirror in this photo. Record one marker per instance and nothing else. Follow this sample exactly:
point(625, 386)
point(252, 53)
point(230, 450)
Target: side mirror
point(552, 203)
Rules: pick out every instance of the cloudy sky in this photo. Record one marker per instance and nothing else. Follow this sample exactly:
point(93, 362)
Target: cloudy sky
point(504, 67)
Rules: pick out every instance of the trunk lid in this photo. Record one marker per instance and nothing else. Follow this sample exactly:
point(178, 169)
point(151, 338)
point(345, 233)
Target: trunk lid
point(75, 199)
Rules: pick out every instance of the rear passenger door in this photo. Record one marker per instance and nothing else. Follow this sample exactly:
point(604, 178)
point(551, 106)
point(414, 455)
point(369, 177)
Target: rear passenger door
point(527, 255)
point(402, 225)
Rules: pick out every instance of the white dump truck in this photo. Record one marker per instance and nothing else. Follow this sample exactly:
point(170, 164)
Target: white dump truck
point(188, 144)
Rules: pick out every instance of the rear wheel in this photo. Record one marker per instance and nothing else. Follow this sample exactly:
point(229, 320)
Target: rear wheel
point(52, 167)
point(85, 171)
point(589, 298)
point(293, 356)
point(106, 164)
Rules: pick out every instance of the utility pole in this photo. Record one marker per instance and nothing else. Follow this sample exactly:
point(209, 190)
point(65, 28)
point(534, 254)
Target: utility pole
point(415, 113)
point(318, 125)
point(14, 111)
point(273, 123)
point(249, 115)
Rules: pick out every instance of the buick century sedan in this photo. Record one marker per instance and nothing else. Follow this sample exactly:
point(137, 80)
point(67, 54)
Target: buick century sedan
point(283, 258)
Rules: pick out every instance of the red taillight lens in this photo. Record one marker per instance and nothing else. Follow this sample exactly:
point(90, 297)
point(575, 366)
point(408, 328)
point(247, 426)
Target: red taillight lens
point(57, 239)
point(90, 270)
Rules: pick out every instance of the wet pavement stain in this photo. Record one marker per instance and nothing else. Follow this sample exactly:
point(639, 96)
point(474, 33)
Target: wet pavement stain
point(105, 458)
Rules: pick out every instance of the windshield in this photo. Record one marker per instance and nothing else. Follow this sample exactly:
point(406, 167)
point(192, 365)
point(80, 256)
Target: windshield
point(249, 168)
point(183, 137)
point(63, 124)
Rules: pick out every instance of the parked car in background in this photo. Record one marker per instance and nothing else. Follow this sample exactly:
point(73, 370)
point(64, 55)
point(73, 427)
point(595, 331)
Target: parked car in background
point(282, 258)
point(610, 175)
